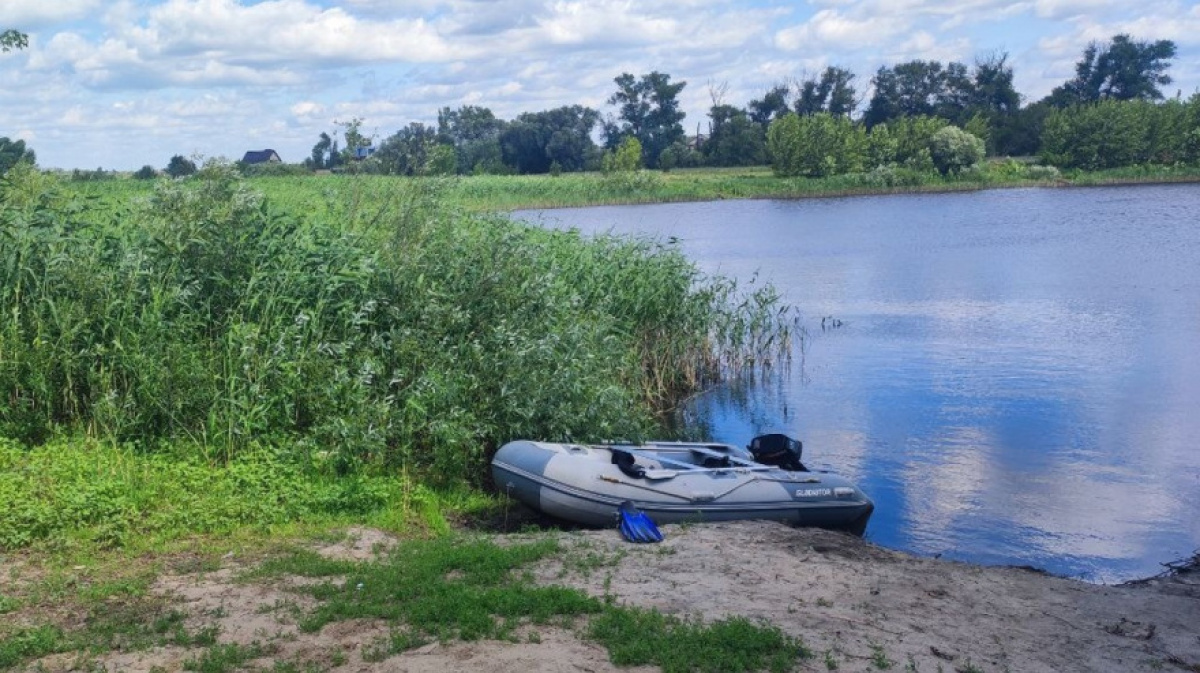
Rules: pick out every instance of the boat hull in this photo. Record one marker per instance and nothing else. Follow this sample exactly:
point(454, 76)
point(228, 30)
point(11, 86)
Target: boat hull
point(581, 484)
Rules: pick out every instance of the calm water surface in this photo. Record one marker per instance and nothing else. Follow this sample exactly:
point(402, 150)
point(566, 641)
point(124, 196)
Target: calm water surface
point(1016, 377)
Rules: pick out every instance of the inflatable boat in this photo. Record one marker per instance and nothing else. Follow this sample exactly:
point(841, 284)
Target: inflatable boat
point(675, 482)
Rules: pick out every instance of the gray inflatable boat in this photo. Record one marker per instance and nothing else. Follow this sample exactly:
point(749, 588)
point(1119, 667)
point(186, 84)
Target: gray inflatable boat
point(676, 482)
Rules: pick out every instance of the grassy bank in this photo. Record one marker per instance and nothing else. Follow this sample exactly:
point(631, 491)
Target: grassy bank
point(88, 609)
point(196, 365)
point(506, 193)
point(329, 331)
point(496, 193)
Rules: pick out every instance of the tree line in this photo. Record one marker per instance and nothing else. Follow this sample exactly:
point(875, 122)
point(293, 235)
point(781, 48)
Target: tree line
point(921, 114)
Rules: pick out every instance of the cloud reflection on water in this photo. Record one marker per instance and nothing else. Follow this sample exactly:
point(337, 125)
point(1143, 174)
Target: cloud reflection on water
point(1016, 379)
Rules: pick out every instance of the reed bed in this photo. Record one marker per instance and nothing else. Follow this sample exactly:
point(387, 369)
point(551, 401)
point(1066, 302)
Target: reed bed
point(358, 323)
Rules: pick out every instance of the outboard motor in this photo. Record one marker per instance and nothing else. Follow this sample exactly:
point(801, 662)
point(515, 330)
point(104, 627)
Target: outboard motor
point(779, 450)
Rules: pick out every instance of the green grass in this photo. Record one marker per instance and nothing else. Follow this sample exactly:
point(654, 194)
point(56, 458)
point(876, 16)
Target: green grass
point(444, 588)
point(636, 637)
point(225, 657)
point(87, 494)
point(128, 626)
point(569, 190)
point(469, 589)
point(30, 643)
point(448, 589)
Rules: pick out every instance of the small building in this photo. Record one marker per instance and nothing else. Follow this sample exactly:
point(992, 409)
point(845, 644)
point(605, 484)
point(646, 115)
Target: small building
point(261, 157)
point(361, 153)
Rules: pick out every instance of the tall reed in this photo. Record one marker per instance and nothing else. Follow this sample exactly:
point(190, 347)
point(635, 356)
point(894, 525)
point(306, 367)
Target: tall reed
point(374, 323)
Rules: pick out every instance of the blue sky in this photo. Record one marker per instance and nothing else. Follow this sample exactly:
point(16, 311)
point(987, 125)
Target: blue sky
point(124, 83)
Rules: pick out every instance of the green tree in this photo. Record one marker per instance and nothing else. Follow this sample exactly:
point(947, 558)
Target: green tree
point(13, 152)
point(912, 136)
point(13, 39)
point(536, 141)
point(681, 155)
point(179, 166)
point(733, 138)
point(626, 158)
point(1191, 134)
point(953, 149)
point(905, 90)
point(474, 133)
point(321, 152)
point(649, 111)
point(146, 172)
point(816, 145)
point(407, 151)
point(356, 141)
point(882, 147)
point(995, 98)
point(441, 160)
point(832, 93)
point(953, 92)
point(992, 90)
point(773, 105)
point(1123, 69)
point(1115, 133)
point(903, 142)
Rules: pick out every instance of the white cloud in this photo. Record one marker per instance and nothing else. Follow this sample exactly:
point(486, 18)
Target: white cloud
point(1066, 9)
point(830, 28)
point(606, 21)
point(307, 109)
point(285, 30)
point(31, 15)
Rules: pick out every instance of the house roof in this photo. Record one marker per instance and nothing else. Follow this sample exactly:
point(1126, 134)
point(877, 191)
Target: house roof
point(260, 156)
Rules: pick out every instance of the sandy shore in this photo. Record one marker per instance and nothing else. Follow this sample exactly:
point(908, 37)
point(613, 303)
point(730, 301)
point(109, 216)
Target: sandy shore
point(857, 606)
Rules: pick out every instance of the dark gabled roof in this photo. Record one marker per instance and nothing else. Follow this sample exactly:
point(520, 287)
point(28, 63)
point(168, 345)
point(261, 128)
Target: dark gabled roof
point(260, 157)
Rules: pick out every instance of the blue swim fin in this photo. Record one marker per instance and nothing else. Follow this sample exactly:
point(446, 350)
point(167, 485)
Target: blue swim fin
point(635, 526)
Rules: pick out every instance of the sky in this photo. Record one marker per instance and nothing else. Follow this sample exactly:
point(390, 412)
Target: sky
point(119, 84)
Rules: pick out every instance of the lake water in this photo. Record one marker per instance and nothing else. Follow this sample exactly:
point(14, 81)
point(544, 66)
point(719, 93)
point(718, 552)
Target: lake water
point(1016, 374)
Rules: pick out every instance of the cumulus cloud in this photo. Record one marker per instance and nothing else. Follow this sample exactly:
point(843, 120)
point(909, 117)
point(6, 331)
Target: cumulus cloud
point(607, 22)
point(284, 30)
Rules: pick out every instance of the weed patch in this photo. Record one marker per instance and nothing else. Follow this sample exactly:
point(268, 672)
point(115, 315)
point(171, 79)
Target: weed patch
point(443, 588)
point(636, 637)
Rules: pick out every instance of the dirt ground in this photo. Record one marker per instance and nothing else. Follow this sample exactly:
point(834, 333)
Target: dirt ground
point(857, 606)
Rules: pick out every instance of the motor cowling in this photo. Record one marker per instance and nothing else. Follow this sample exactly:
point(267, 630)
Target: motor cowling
point(779, 450)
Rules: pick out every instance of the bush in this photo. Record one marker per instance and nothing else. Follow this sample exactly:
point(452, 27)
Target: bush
point(180, 167)
point(816, 145)
point(1042, 173)
point(272, 169)
point(1112, 134)
point(627, 158)
point(954, 150)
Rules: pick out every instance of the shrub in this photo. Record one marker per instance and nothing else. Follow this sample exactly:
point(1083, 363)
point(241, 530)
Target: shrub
point(627, 158)
point(816, 145)
point(1042, 173)
point(954, 150)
